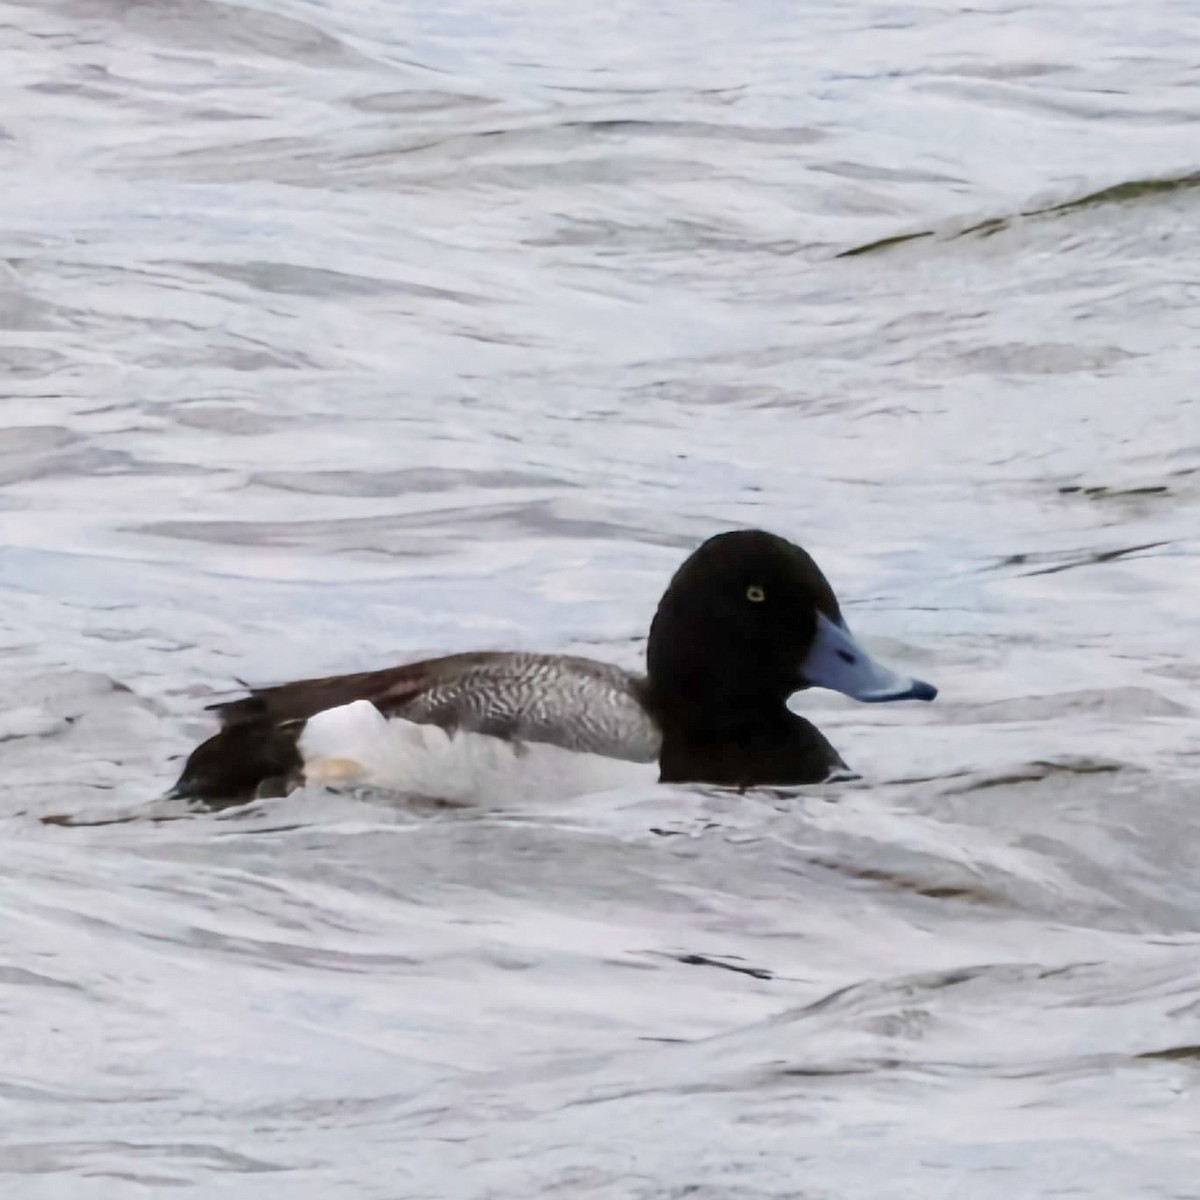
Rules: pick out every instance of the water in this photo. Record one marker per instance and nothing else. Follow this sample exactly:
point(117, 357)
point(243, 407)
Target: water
point(347, 331)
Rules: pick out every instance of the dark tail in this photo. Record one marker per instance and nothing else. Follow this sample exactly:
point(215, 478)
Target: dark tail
point(246, 759)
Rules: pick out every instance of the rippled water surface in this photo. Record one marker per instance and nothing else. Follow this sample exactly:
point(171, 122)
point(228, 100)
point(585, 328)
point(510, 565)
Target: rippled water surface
point(336, 332)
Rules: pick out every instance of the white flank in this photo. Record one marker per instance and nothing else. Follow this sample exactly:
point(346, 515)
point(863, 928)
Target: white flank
point(356, 744)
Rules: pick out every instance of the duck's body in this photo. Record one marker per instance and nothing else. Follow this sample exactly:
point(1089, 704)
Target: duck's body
point(747, 620)
point(390, 722)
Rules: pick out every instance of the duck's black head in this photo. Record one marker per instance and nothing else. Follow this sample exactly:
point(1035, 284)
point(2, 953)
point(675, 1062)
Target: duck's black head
point(746, 621)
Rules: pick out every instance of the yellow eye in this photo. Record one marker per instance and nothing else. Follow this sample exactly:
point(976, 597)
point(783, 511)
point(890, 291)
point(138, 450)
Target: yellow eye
point(755, 594)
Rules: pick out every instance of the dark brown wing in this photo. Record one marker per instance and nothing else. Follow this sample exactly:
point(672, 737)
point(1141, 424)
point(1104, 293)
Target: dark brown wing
point(304, 698)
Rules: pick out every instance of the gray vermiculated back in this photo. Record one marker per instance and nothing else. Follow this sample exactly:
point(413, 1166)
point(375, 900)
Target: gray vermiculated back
point(558, 699)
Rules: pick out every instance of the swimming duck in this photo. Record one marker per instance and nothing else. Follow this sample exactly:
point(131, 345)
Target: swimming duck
point(745, 622)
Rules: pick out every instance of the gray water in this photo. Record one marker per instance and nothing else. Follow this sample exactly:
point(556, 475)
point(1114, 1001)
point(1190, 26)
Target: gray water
point(337, 333)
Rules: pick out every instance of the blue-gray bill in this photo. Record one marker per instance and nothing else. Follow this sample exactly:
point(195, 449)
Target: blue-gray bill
point(836, 661)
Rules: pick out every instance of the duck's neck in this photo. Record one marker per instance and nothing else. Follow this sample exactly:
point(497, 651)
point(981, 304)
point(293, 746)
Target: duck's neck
point(752, 750)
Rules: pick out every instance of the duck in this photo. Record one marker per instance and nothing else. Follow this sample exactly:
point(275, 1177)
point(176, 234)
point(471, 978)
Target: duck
point(746, 622)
